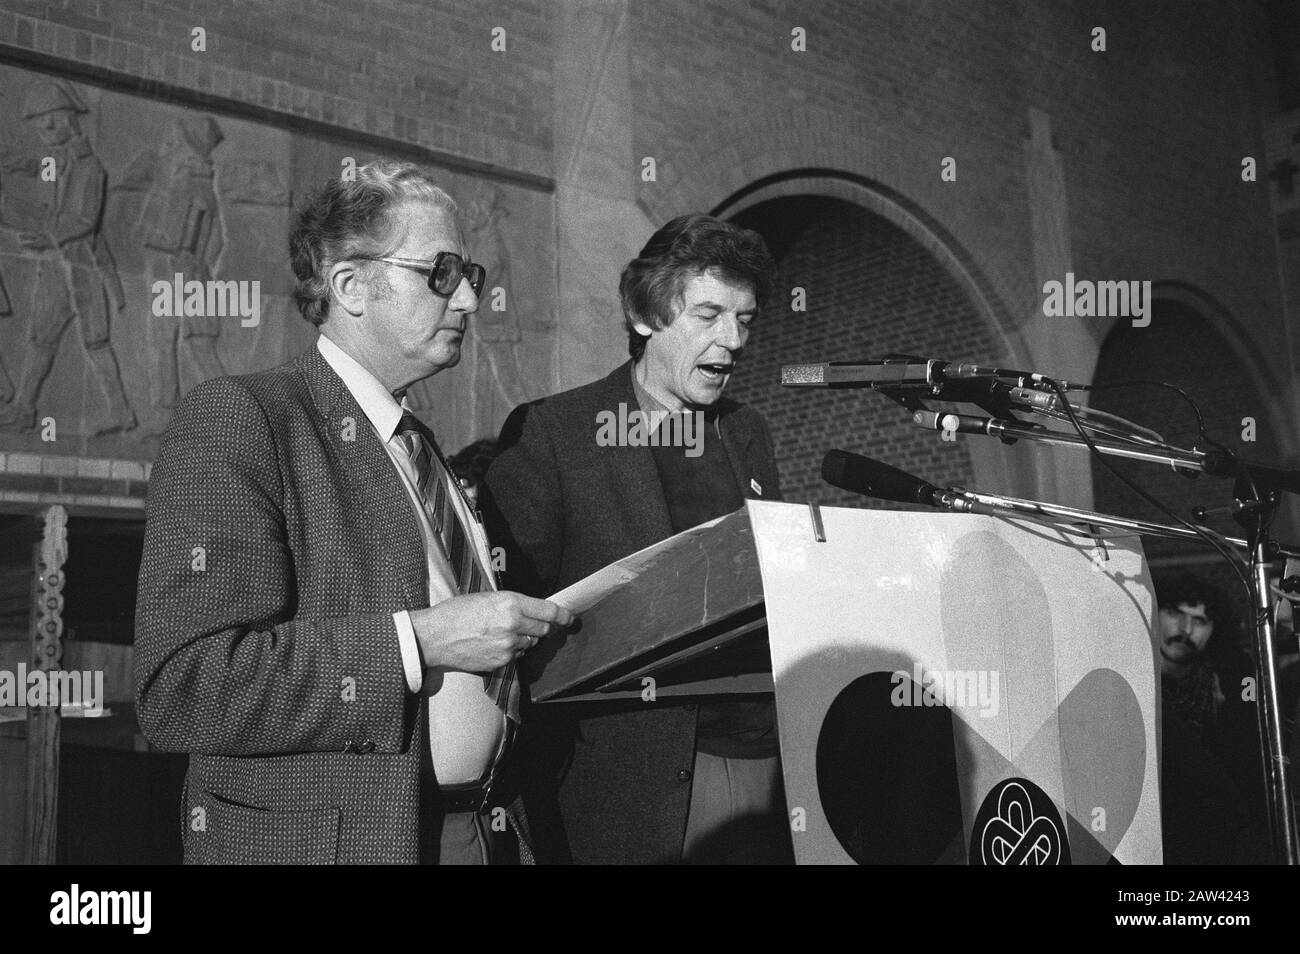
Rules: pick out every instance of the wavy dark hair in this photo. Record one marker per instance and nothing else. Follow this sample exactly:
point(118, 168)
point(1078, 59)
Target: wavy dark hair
point(689, 245)
point(347, 218)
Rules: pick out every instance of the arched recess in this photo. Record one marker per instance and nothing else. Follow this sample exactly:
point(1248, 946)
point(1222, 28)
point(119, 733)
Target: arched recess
point(979, 461)
point(872, 158)
point(1194, 343)
point(908, 216)
point(1271, 392)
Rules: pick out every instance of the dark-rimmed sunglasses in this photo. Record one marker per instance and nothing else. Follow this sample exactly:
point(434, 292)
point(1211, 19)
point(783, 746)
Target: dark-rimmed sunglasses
point(444, 272)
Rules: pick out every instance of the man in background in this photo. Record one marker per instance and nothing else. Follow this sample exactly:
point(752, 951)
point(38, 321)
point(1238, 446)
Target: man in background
point(1211, 775)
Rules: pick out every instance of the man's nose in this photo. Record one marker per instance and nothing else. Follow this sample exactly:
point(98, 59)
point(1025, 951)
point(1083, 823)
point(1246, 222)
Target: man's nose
point(730, 334)
point(464, 299)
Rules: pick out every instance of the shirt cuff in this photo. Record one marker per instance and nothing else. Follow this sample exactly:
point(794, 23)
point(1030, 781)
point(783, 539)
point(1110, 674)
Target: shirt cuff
point(411, 664)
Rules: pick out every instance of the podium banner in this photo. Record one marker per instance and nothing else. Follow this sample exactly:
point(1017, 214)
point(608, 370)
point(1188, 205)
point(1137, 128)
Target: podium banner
point(957, 689)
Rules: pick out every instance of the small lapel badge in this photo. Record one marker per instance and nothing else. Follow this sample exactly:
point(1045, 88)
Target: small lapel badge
point(755, 486)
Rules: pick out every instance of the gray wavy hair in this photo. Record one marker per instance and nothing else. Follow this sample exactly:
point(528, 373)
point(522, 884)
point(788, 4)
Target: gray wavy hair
point(350, 218)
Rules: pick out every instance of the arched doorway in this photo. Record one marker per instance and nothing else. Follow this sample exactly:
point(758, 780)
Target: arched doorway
point(871, 287)
point(1184, 348)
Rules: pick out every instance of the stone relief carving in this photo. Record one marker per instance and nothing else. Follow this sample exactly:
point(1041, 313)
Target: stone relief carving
point(255, 182)
point(180, 228)
point(143, 189)
point(484, 215)
point(76, 278)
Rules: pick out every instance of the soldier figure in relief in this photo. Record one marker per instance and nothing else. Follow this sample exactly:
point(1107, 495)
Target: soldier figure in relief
point(76, 277)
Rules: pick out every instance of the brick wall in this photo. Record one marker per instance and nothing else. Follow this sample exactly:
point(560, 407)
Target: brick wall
point(90, 484)
point(871, 290)
point(1151, 132)
point(424, 74)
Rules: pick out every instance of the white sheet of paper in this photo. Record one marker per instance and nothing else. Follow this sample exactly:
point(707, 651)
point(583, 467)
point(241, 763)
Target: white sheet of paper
point(590, 590)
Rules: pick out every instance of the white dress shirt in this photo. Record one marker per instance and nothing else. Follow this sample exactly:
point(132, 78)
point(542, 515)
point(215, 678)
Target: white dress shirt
point(466, 729)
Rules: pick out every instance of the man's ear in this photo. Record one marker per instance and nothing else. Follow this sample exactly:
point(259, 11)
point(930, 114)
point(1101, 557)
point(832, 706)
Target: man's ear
point(641, 328)
point(348, 287)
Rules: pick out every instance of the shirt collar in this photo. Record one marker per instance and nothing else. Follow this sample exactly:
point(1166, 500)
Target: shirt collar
point(376, 402)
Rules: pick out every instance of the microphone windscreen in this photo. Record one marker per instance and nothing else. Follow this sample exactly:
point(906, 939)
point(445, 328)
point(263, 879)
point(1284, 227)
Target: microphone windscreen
point(862, 475)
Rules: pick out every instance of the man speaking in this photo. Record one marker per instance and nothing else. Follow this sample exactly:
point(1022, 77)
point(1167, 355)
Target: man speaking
point(647, 782)
point(318, 625)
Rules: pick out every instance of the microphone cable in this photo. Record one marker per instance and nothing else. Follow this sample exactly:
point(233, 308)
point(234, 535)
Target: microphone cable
point(1210, 537)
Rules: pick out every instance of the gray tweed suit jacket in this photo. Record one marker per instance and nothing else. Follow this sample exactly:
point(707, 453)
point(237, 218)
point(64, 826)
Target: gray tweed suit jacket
point(279, 543)
point(602, 785)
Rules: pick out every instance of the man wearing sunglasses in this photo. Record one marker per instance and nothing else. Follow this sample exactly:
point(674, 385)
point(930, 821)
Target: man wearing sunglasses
point(318, 623)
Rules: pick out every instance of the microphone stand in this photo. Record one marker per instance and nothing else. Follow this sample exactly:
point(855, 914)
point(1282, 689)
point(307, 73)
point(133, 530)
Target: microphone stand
point(960, 500)
point(1008, 431)
point(1264, 489)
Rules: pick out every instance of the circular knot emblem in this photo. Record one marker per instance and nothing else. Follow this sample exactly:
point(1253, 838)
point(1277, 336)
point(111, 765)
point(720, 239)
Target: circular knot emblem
point(1018, 825)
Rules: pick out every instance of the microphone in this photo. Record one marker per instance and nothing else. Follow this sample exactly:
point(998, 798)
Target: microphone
point(872, 478)
point(862, 475)
point(918, 373)
point(900, 372)
point(905, 372)
point(956, 423)
point(1039, 400)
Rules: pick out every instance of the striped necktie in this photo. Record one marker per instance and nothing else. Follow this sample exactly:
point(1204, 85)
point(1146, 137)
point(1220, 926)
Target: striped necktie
point(437, 487)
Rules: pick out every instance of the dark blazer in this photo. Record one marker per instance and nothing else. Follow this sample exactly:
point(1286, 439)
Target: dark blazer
point(279, 543)
point(563, 507)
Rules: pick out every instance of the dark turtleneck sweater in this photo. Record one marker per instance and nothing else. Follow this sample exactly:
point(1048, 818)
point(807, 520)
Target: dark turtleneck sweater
point(698, 489)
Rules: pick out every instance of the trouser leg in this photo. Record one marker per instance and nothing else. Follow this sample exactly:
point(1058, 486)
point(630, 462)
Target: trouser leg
point(737, 813)
point(458, 838)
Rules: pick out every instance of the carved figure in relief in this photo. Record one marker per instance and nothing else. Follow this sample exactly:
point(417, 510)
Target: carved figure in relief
point(181, 229)
point(76, 278)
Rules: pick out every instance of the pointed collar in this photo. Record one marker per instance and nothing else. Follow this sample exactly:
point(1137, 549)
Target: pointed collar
point(376, 402)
